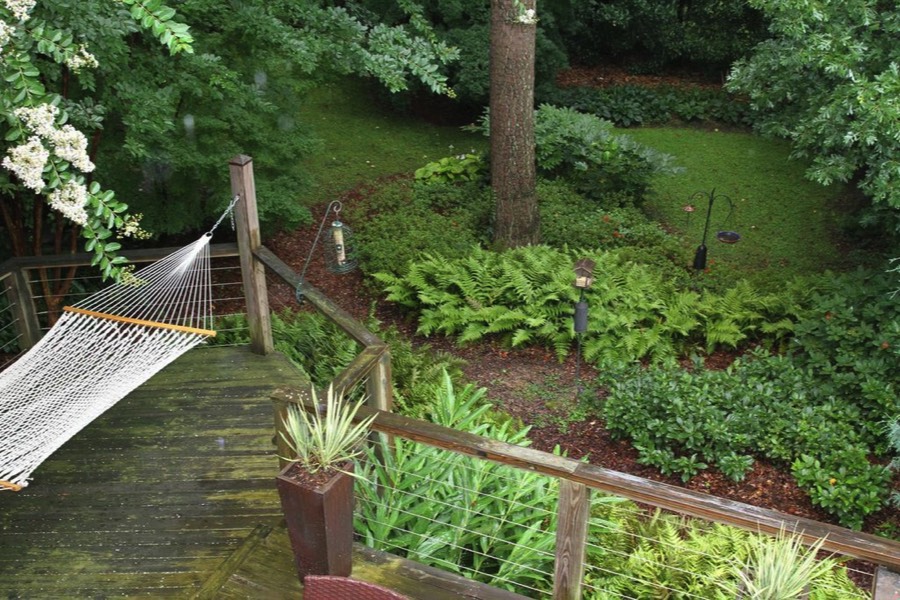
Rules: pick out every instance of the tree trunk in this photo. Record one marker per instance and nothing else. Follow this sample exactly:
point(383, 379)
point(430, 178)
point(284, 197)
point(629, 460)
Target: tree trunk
point(512, 124)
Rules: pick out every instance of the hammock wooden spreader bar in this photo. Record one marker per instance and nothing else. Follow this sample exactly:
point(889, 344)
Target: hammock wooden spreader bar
point(129, 320)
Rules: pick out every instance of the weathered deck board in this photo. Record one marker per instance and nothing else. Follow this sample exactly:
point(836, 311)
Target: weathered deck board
point(155, 494)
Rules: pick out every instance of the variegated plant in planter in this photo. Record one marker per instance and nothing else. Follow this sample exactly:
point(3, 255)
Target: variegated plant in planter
point(316, 488)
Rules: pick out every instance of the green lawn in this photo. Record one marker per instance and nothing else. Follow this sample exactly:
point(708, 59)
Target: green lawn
point(362, 141)
point(787, 223)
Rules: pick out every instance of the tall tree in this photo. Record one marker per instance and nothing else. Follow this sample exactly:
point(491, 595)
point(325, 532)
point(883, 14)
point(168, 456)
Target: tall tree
point(517, 220)
point(829, 80)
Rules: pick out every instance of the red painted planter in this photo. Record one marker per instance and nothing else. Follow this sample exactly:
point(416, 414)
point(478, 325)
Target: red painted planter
point(319, 522)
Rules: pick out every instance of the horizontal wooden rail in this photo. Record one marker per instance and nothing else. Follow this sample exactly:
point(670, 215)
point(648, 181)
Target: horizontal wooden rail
point(320, 301)
point(872, 548)
point(358, 369)
point(84, 259)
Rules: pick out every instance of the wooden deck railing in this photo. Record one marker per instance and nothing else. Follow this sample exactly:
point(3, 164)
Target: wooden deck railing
point(577, 478)
point(16, 281)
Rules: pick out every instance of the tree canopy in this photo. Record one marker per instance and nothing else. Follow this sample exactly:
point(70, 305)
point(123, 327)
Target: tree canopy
point(829, 81)
point(88, 83)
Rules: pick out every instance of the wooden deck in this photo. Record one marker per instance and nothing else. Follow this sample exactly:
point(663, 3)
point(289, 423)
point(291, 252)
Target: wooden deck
point(151, 498)
point(171, 493)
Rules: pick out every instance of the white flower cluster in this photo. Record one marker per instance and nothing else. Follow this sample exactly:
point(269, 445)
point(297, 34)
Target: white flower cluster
point(70, 200)
point(68, 143)
point(6, 33)
point(71, 145)
point(132, 228)
point(27, 162)
point(528, 17)
point(20, 8)
point(41, 119)
point(81, 59)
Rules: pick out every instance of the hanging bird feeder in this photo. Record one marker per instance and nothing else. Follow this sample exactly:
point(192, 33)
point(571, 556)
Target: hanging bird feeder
point(726, 236)
point(340, 253)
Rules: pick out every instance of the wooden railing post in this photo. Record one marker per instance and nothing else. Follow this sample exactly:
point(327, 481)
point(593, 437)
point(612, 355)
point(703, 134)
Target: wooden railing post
point(886, 585)
point(378, 385)
point(571, 538)
point(25, 321)
point(253, 272)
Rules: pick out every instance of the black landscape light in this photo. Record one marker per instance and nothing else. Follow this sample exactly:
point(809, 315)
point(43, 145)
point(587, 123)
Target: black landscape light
point(725, 236)
point(584, 278)
point(340, 255)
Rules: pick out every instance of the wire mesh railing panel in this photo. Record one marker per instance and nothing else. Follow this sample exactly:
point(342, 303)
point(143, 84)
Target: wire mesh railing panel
point(491, 523)
point(637, 553)
point(10, 335)
point(53, 288)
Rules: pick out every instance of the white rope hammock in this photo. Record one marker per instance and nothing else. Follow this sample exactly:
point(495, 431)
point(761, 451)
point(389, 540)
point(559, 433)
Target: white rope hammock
point(98, 352)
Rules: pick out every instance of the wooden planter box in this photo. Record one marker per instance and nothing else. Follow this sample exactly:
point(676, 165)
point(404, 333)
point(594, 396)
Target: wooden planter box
point(319, 522)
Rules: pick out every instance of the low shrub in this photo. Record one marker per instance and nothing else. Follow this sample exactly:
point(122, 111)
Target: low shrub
point(582, 149)
point(631, 105)
point(682, 422)
point(849, 338)
point(893, 434)
point(568, 219)
point(399, 223)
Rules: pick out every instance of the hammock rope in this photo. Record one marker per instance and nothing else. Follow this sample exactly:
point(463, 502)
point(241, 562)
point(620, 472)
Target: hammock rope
point(99, 351)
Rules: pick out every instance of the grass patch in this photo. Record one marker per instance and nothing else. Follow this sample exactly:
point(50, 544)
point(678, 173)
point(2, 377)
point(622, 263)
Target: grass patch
point(788, 224)
point(362, 141)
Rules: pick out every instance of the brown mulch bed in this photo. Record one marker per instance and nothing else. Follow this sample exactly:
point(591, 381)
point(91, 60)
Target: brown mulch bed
point(608, 75)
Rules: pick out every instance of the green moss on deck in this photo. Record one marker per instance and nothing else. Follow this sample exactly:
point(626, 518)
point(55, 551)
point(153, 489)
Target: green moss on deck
point(150, 498)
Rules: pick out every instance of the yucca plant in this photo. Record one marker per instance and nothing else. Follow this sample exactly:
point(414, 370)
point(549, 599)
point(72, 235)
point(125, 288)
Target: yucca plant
point(325, 440)
point(316, 488)
point(780, 567)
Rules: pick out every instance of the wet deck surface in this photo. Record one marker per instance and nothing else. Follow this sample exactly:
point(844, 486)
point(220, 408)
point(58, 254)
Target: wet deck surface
point(171, 494)
point(153, 496)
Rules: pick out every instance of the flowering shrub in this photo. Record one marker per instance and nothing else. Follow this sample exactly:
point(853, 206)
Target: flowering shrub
point(46, 155)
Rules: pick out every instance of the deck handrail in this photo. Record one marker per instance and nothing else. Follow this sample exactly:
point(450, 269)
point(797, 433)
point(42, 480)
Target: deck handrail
point(875, 549)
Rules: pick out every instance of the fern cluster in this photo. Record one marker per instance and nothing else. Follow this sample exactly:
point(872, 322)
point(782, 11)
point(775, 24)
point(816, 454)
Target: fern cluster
point(525, 296)
point(666, 556)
